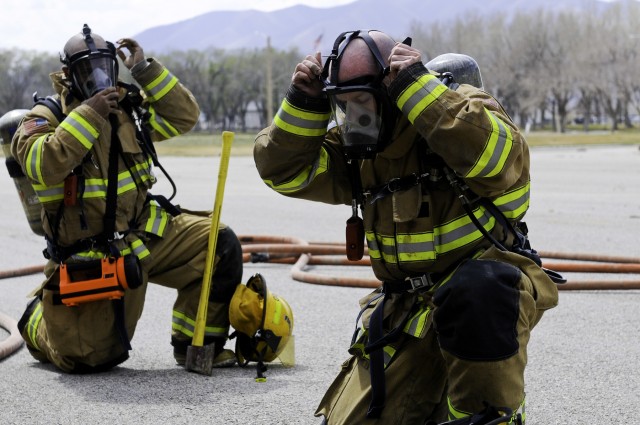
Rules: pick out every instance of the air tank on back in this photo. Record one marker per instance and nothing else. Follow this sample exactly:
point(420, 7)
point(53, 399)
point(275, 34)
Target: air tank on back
point(30, 203)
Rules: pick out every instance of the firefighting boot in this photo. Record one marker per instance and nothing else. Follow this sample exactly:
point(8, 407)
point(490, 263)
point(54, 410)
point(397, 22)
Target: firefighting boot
point(222, 357)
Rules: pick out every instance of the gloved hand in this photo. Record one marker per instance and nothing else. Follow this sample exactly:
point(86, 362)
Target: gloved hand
point(104, 102)
point(402, 56)
point(306, 76)
point(136, 54)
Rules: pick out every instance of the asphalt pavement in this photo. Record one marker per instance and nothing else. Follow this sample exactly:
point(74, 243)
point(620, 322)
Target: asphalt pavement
point(584, 356)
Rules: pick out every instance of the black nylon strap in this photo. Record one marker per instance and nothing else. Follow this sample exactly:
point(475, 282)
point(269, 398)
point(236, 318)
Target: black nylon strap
point(395, 185)
point(377, 341)
point(376, 363)
point(109, 220)
point(119, 323)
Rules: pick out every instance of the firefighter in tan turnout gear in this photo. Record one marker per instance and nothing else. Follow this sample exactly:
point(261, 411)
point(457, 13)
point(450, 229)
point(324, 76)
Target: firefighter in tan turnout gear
point(88, 152)
point(441, 176)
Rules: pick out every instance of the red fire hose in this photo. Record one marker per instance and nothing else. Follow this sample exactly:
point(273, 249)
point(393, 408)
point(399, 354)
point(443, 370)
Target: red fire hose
point(289, 250)
point(300, 253)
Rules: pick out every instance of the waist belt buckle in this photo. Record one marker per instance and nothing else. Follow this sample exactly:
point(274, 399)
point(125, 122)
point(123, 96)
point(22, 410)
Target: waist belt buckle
point(419, 283)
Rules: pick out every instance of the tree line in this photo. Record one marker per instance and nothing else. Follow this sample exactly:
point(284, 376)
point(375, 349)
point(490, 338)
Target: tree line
point(547, 69)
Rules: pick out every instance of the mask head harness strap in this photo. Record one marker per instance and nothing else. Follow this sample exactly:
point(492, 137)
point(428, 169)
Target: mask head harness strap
point(363, 112)
point(333, 61)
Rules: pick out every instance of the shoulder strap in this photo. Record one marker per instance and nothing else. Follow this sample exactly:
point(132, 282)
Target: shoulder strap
point(51, 102)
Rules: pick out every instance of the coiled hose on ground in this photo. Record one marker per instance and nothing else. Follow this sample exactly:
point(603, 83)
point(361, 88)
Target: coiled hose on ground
point(300, 253)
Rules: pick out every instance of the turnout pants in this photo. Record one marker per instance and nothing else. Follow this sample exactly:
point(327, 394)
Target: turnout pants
point(84, 338)
point(464, 344)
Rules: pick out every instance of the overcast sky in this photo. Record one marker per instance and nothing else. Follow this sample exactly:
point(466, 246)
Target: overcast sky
point(46, 25)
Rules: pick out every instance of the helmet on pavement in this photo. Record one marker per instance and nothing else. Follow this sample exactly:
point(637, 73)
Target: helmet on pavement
point(262, 319)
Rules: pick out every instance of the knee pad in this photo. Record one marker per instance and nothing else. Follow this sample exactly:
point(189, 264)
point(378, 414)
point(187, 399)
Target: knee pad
point(228, 271)
point(477, 311)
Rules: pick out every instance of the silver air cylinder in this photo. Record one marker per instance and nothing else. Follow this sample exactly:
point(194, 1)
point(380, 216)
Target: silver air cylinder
point(464, 68)
point(30, 203)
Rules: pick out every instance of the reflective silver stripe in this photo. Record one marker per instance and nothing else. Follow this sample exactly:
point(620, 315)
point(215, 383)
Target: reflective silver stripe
point(415, 247)
point(185, 325)
point(416, 324)
point(496, 150)
point(49, 193)
point(139, 249)
point(80, 128)
point(161, 125)
point(305, 177)
point(160, 86)
point(515, 203)
point(299, 122)
point(157, 221)
point(142, 172)
point(419, 95)
point(32, 325)
point(420, 247)
point(459, 236)
point(372, 244)
point(34, 159)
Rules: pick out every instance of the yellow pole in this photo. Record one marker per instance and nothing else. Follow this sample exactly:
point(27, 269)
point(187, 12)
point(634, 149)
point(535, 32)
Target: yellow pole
point(201, 317)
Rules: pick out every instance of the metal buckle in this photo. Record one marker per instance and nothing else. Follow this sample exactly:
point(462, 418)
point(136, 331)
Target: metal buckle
point(420, 282)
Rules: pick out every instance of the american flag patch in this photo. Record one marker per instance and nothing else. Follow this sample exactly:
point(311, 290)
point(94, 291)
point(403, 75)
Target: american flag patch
point(35, 125)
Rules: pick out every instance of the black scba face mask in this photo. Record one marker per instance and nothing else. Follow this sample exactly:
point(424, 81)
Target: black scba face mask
point(92, 70)
point(361, 107)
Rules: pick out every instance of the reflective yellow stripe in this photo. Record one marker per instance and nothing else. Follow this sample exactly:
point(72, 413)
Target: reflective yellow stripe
point(496, 150)
point(158, 219)
point(425, 246)
point(32, 325)
point(95, 254)
point(89, 255)
point(419, 95)
point(34, 159)
point(305, 177)
point(49, 193)
point(299, 122)
point(515, 203)
point(415, 326)
point(185, 325)
point(142, 172)
point(161, 125)
point(93, 188)
point(160, 86)
point(81, 129)
point(455, 413)
point(139, 249)
point(463, 231)
point(372, 245)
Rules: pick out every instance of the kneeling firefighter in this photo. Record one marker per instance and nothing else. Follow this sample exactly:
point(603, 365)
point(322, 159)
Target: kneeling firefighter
point(440, 174)
point(87, 153)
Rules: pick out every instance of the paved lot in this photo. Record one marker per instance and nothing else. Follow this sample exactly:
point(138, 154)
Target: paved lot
point(584, 357)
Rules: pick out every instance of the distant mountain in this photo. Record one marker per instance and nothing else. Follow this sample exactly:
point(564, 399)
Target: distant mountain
point(309, 28)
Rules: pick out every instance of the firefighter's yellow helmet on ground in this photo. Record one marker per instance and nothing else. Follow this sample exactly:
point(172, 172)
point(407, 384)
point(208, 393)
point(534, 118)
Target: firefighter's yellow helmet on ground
point(263, 322)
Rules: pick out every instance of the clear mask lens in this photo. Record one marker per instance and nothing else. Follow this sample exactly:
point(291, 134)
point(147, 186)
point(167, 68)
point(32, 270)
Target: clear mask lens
point(357, 116)
point(94, 74)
